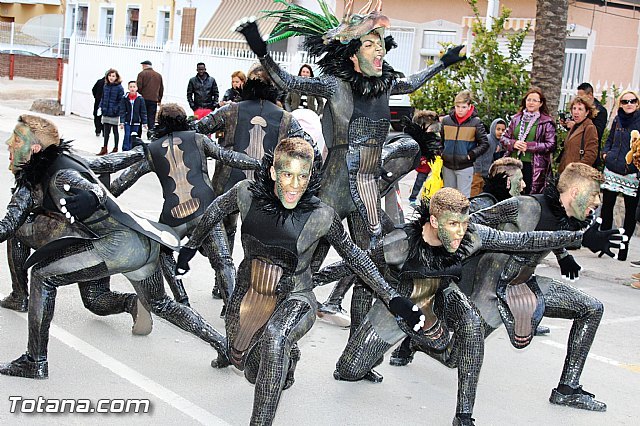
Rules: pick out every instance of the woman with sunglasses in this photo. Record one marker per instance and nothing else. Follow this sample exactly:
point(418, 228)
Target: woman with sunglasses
point(620, 177)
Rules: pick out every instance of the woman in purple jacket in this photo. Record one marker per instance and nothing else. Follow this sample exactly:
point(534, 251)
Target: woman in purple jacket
point(531, 138)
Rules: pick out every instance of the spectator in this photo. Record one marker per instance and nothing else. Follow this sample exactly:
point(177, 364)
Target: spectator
point(133, 114)
point(581, 144)
point(238, 78)
point(531, 138)
point(464, 139)
point(620, 177)
point(112, 94)
point(295, 100)
point(97, 98)
point(202, 90)
point(483, 162)
point(151, 89)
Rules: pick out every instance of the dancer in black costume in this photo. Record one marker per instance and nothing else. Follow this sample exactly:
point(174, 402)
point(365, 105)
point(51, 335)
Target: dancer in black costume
point(47, 175)
point(178, 157)
point(253, 126)
point(356, 83)
point(421, 261)
point(273, 304)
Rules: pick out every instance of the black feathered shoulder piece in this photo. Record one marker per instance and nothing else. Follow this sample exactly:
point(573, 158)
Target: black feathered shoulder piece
point(34, 170)
point(434, 258)
point(262, 189)
point(552, 197)
point(336, 61)
point(256, 89)
point(428, 141)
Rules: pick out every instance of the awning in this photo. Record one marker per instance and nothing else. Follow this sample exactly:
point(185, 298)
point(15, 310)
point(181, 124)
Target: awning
point(219, 26)
point(515, 24)
point(47, 2)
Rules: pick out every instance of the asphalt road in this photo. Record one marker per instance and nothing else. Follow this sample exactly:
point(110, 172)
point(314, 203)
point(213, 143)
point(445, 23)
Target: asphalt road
point(96, 358)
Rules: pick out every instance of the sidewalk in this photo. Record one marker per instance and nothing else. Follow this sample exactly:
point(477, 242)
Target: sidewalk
point(16, 97)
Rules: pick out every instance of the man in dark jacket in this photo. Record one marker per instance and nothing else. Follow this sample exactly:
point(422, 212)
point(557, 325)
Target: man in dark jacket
point(151, 88)
point(97, 97)
point(464, 139)
point(202, 90)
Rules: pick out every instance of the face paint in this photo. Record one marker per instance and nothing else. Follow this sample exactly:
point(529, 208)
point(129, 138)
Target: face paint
point(19, 145)
point(292, 178)
point(451, 229)
point(516, 183)
point(371, 53)
point(586, 201)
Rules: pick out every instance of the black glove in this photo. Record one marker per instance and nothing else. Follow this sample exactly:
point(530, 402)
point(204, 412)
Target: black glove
point(408, 311)
point(569, 268)
point(452, 55)
point(80, 205)
point(249, 29)
point(603, 241)
point(182, 266)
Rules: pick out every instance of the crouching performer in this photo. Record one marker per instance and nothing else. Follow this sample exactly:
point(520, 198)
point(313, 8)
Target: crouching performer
point(422, 259)
point(273, 305)
point(48, 176)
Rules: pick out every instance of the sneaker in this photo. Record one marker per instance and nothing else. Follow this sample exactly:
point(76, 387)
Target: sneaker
point(579, 399)
point(635, 285)
point(635, 264)
point(16, 303)
point(26, 367)
point(413, 204)
point(636, 276)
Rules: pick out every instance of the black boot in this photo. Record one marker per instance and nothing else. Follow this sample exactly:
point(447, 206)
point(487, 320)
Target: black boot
point(15, 302)
point(371, 376)
point(463, 420)
point(403, 354)
point(26, 367)
point(576, 398)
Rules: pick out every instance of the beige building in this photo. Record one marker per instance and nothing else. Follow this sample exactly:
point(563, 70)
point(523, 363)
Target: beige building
point(23, 11)
point(143, 21)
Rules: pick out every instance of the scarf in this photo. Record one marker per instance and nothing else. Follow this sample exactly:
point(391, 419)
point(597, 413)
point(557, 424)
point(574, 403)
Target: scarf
point(530, 119)
point(464, 118)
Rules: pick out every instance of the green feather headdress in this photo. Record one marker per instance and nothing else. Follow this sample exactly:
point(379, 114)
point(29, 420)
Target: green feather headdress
point(295, 20)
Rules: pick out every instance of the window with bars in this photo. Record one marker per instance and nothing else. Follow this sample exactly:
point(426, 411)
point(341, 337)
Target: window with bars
point(81, 22)
point(432, 42)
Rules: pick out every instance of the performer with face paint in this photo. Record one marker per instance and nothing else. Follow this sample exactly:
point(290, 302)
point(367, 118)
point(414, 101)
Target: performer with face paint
point(273, 305)
point(119, 241)
point(521, 299)
point(357, 83)
point(178, 157)
point(42, 227)
point(253, 126)
point(421, 260)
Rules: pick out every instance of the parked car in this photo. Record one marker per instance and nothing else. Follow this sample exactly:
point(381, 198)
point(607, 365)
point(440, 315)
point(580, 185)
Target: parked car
point(400, 106)
point(19, 52)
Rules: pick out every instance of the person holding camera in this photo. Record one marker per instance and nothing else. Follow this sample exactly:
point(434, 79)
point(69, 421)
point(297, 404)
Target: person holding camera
point(581, 144)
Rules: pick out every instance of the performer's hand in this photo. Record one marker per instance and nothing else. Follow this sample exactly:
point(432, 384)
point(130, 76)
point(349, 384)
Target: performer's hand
point(452, 55)
point(597, 240)
point(569, 268)
point(80, 205)
point(249, 29)
point(408, 311)
point(182, 266)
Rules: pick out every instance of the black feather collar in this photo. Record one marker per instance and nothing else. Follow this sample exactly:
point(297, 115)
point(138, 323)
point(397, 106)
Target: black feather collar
point(267, 200)
point(33, 171)
point(434, 258)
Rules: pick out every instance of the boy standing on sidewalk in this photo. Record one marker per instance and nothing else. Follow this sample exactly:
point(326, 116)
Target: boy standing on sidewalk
point(134, 114)
point(464, 139)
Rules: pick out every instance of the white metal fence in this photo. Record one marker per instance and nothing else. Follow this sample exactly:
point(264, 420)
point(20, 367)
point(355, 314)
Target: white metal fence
point(89, 59)
point(612, 90)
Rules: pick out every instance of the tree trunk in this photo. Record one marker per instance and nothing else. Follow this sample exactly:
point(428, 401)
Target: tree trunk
point(548, 49)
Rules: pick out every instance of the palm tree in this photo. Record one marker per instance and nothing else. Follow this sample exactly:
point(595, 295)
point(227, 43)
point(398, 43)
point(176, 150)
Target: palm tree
point(548, 49)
